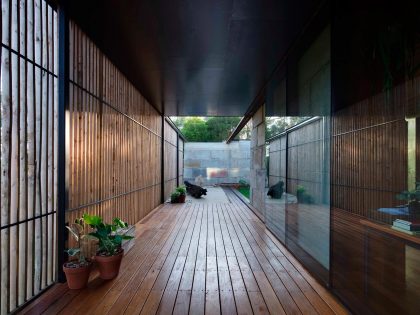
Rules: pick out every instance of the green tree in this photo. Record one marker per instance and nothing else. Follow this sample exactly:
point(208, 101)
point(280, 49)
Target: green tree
point(219, 128)
point(276, 125)
point(211, 129)
point(179, 121)
point(195, 129)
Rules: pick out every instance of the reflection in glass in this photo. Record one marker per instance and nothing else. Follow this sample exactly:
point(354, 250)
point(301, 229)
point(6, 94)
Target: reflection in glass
point(299, 158)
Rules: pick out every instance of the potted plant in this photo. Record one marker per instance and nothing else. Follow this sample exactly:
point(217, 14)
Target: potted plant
point(303, 196)
point(110, 252)
point(77, 269)
point(413, 200)
point(182, 193)
point(175, 197)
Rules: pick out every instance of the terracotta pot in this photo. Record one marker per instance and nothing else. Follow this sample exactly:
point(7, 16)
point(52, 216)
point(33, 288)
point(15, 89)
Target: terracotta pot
point(77, 278)
point(181, 198)
point(109, 266)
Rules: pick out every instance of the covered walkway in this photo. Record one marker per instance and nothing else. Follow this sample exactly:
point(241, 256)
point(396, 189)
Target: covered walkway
point(196, 258)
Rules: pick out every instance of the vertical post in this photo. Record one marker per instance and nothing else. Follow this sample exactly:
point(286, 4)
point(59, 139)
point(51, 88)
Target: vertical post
point(63, 132)
point(162, 163)
point(177, 159)
point(286, 162)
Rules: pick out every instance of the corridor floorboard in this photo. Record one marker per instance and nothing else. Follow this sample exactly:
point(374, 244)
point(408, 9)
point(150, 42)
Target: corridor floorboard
point(198, 258)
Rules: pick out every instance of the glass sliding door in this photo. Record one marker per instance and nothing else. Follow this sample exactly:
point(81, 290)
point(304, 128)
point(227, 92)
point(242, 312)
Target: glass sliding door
point(298, 156)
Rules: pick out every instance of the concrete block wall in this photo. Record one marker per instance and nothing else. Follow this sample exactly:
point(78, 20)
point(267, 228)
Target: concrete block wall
point(258, 170)
point(217, 162)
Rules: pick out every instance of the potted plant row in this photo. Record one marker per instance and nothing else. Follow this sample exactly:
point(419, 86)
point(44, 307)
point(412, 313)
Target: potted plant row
point(108, 256)
point(179, 195)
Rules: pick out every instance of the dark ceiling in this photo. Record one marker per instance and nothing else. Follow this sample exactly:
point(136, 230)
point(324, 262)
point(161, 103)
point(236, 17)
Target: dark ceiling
point(195, 57)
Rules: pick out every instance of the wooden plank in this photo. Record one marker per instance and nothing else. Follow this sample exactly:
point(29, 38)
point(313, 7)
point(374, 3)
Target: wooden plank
point(168, 302)
point(147, 249)
point(171, 273)
point(154, 272)
point(293, 280)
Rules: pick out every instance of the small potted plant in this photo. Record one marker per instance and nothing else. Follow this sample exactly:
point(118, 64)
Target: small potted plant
point(182, 193)
point(413, 200)
point(77, 269)
point(303, 196)
point(175, 197)
point(110, 252)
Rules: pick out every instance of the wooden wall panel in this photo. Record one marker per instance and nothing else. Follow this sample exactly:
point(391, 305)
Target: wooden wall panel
point(369, 164)
point(373, 267)
point(181, 161)
point(307, 154)
point(170, 159)
point(28, 140)
point(300, 156)
point(277, 164)
point(305, 160)
point(115, 137)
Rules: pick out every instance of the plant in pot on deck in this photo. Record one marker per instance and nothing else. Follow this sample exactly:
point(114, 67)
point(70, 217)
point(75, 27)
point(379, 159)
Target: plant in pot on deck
point(303, 196)
point(77, 269)
point(175, 197)
point(182, 190)
point(413, 200)
point(179, 195)
point(110, 252)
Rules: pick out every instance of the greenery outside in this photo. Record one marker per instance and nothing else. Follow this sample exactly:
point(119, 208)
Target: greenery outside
point(218, 129)
point(244, 191)
point(209, 129)
point(276, 125)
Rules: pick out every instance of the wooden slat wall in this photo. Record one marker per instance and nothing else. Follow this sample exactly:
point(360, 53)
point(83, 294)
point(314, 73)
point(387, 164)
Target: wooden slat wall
point(170, 159)
point(369, 167)
point(301, 155)
point(277, 166)
point(369, 159)
point(28, 141)
point(115, 137)
point(307, 148)
point(305, 160)
point(181, 161)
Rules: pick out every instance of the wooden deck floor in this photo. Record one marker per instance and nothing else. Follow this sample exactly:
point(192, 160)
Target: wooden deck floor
point(199, 259)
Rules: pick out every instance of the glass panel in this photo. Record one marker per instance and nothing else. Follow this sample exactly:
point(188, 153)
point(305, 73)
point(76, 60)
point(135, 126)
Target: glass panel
point(298, 192)
point(375, 144)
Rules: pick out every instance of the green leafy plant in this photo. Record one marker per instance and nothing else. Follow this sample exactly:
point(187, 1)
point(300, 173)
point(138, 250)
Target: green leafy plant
point(182, 190)
point(108, 235)
point(174, 196)
point(77, 230)
point(412, 197)
point(243, 183)
point(300, 190)
point(302, 195)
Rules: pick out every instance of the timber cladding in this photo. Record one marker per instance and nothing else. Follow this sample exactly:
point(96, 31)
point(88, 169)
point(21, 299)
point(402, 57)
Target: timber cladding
point(307, 150)
point(369, 152)
point(28, 141)
point(170, 159)
point(373, 270)
point(115, 139)
point(181, 161)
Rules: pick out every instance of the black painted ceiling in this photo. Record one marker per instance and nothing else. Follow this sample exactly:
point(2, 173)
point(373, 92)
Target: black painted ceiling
point(194, 57)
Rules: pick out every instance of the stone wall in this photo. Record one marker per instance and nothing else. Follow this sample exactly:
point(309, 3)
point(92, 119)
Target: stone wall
point(217, 162)
point(258, 170)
